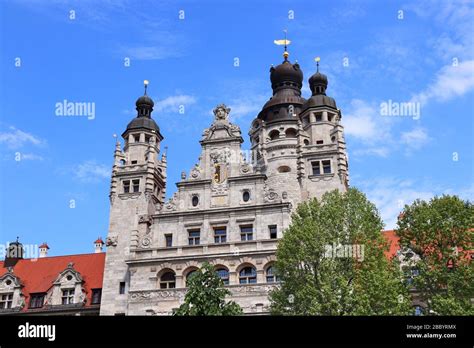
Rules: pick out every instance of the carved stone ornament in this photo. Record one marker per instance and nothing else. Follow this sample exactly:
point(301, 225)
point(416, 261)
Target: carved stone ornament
point(221, 112)
point(196, 172)
point(111, 241)
point(245, 168)
point(270, 195)
point(221, 155)
point(172, 205)
point(146, 242)
point(144, 219)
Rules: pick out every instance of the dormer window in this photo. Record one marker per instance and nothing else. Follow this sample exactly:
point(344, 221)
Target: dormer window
point(37, 300)
point(67, 297)
point(6, 301)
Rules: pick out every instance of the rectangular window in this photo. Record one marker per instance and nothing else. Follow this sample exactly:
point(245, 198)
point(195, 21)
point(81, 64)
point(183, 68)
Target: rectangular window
point(37, 300)
point(273, 231)
point(136, 185)
point(319, 142)
point(96, 296)
point(169, 240)
point(6, 301)
point(246, 232)
point(122, 288)
point(319, 118)
point(68, 297)
point(327, 167)
point(126, 186)
point(316, 168)
point(220, 234)
point(194, 237)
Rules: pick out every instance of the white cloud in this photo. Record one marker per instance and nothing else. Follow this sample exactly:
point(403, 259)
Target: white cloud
point(16, 138)
point(91, 171)
point(450, 82)
point(249, 106)
point(391, 194)
point(150, 52)
point(415, 138)
point(172, 104)
point(363, 121)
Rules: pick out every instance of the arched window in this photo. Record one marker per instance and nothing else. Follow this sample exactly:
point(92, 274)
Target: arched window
point(190, 275)
point(248, 275)
point(274, 134)
point(223, 273)
point(168, 280)
point(306, 142)
point(271, 276)
point(290, 133)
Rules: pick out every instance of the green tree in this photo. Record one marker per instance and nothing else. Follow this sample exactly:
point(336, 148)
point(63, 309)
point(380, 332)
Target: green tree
point(206, 295)
point(441, 233)
point(316, 279)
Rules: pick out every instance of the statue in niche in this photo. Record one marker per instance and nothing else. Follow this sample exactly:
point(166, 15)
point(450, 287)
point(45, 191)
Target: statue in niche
point(220, 173)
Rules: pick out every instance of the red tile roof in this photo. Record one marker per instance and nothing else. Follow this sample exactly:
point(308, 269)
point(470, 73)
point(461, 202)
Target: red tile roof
point(38, 275)
point(393, 241)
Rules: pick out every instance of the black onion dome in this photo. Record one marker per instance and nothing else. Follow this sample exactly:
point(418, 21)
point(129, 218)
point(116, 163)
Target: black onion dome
point(285, 75)
point(144, 101)
point(318, 79)
point(143, 120)
point(318, 84)
point(143, 123)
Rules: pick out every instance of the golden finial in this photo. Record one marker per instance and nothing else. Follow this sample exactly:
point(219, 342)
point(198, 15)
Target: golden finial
point(317, 59)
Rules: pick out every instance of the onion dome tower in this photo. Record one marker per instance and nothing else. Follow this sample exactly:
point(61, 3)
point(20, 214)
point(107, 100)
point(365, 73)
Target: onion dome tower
point(323, 156)
point(137, 190)
point(274, 132)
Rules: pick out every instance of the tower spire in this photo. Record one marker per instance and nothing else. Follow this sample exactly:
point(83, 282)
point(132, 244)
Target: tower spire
point(317, 59)
point(145, 83)
point(285, 42)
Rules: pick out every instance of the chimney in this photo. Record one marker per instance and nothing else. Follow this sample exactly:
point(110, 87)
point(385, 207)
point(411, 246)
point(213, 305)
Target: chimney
point(43, 249)
point(99, 244)
point(14, 254)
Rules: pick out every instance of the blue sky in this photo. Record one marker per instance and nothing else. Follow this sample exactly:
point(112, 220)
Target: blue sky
point(402, 51)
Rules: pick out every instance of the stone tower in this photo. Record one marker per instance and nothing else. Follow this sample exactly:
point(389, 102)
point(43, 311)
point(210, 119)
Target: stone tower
point(322, 156)
point(274, 133)
point(137, 186)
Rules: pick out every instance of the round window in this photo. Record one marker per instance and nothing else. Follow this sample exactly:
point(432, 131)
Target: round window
point(195, 201)
point(246, 196)
point(69, 277)
point(8, 282)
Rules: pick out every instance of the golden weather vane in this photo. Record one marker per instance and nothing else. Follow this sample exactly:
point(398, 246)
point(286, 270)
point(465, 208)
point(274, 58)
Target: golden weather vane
point(285, 42)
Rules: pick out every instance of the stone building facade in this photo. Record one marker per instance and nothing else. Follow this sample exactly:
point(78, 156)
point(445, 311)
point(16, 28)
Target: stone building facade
point(229, 209)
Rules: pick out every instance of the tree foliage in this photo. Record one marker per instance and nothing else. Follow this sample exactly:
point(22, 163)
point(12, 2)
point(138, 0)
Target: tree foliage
point(316, 279)
point(206, 295)
point(441, 233)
